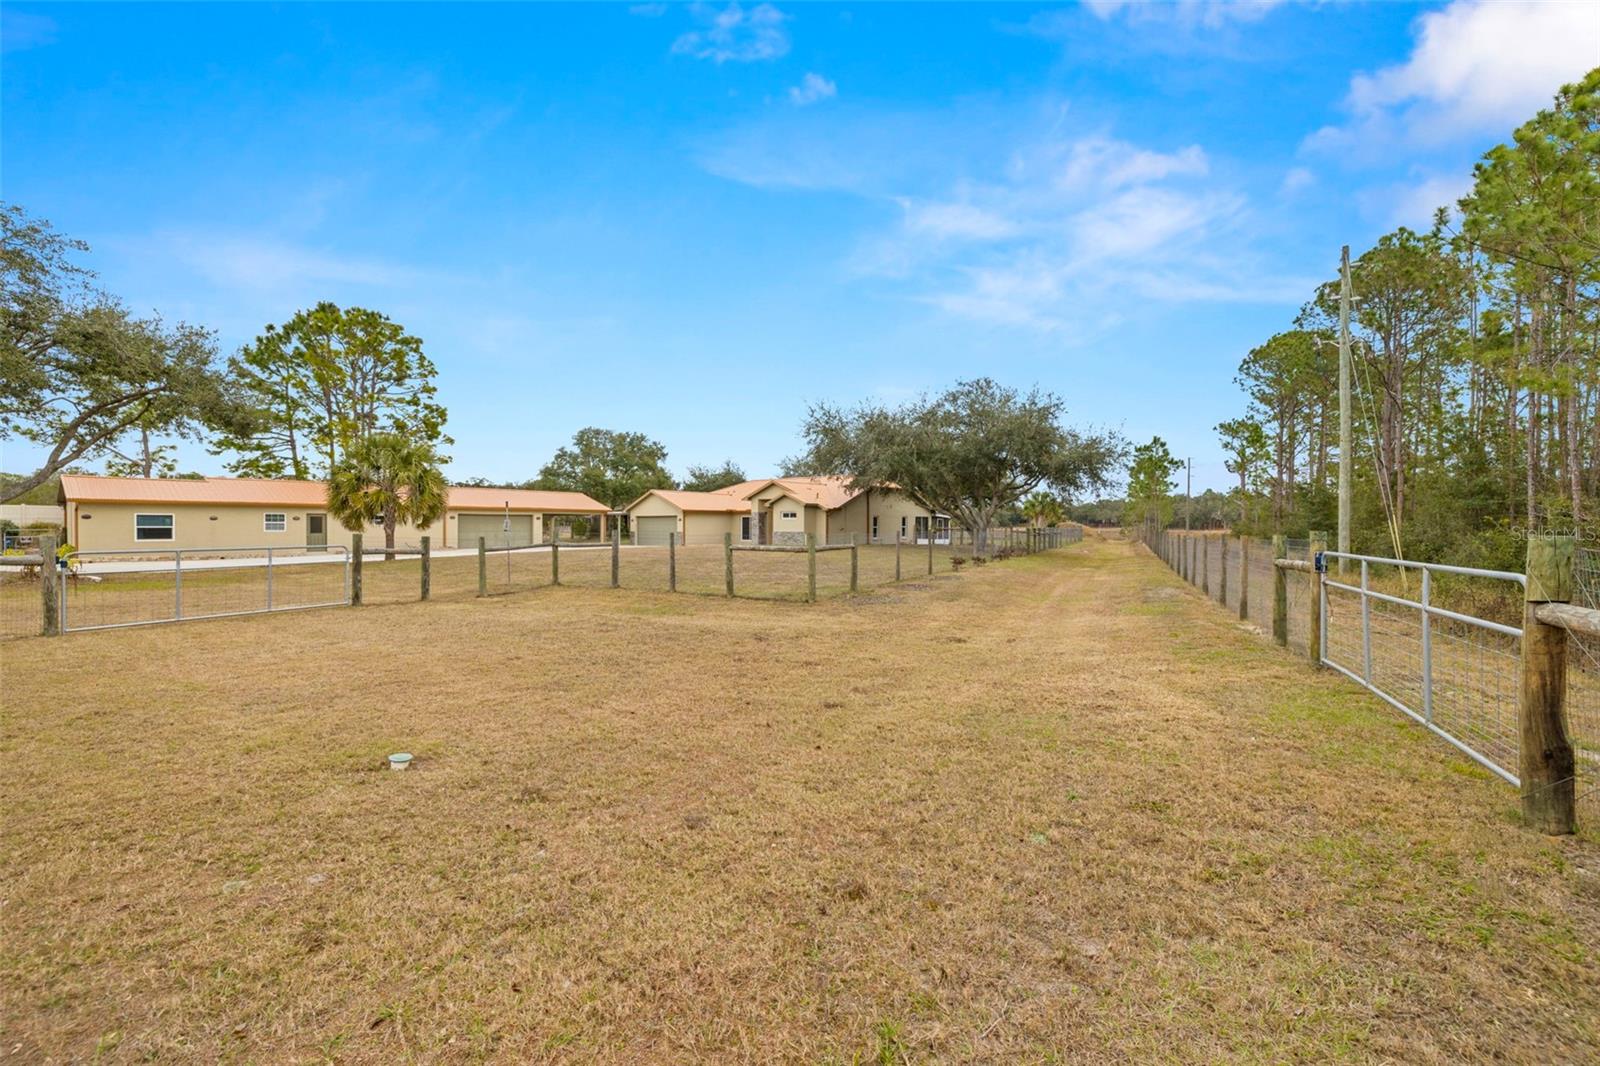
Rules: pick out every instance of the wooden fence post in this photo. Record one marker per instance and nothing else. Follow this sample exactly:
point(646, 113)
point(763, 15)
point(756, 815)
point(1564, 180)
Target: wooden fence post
point(1280, 592)
point(672, 562)
point(1547, 766)
point(616, 554)
point(1318, 545)
point(727, 561)
point(811, 568)
point(356, 555)
point(555, 563)
point(855, 569)
point(49, 584)
point(427, 568)
point(1222, 576)
point(483, 567)
point(1205, 564)
point(930, 545)
point(1244, 579)
point(897, 538)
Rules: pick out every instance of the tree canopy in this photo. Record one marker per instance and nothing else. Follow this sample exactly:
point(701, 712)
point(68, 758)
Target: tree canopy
point(390, 478)
point(1150, 483)
point(710, 478)
point(613, 467)
point(321, 383)
point(78, 371)
point(968, 452)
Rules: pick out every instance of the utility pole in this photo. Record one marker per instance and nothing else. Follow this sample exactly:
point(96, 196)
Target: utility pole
point(1188, 494)
point(1344, 405)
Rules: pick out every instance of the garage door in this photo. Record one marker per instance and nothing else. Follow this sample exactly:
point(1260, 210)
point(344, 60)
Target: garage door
point(655, 530)
point(492, 528)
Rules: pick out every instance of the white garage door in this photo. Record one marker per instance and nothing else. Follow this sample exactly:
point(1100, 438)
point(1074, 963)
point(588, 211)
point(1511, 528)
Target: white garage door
point(492, 528)
point(654, 530)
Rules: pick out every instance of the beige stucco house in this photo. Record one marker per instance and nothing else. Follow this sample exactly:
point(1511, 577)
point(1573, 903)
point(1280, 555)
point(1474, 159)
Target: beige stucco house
point(115, 513)
point(784, 511)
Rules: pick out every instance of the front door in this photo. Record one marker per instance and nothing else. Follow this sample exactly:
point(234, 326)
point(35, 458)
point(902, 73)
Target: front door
point(316, 531)
point(922, 529)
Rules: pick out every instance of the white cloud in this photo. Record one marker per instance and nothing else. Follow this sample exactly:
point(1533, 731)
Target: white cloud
point(734, 35)
point(1020, 218)
point(1296, 180)
point(957, 221)
point(1413, 203)
point(265, 264)
point(1477, 67)
point(1209, 13)
point(812, 87)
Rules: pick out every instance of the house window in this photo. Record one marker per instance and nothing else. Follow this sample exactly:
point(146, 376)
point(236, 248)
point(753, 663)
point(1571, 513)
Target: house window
point(152, 527)
point(744, 528)
point(902, 525)
point(790, 514)
point(274, 522)
point(874, 527)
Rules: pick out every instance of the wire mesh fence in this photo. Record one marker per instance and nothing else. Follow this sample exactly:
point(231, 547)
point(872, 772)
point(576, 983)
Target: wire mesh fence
point(106, 589)
point(1583, 683)
point(125, 588)
point(21, 603)
point(1441, 643)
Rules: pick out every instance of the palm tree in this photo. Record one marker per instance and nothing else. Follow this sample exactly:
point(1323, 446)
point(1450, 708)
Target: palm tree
point(390, 477)
point(1042, 509)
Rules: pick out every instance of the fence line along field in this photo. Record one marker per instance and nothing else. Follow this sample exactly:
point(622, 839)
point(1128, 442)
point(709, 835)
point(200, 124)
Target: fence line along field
point(1056, 808)
point(104, 589)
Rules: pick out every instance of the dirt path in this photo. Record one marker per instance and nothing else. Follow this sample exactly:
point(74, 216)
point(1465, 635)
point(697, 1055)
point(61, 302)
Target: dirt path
point(1059, 808)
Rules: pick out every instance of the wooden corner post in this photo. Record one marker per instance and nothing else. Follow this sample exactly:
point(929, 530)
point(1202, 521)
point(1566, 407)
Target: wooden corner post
point(49, 585)
point(1547, 765)
point(672, 561)
point(356, 555)
point(427, 568)
point(1318, 545)
point(1280, 592)
point(727, 561)
point(855, 568)
point(483, 567)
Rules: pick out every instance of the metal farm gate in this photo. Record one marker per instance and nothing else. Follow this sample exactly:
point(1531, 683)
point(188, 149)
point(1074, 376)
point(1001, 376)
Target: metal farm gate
point(143, 586)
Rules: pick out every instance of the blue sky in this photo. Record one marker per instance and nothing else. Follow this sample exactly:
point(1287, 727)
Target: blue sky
point(693, 220)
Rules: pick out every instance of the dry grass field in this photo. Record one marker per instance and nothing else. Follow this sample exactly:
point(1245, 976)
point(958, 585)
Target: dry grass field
point(1055, 809)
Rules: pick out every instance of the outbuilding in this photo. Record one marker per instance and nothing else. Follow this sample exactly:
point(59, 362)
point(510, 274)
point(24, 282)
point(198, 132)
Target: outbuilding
point(124, 514)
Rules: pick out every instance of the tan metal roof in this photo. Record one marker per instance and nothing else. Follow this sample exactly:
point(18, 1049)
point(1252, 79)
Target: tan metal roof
point(721, 501)
point(84, 488)
point(829, 493)
point(475, 498)
point(225, 491)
